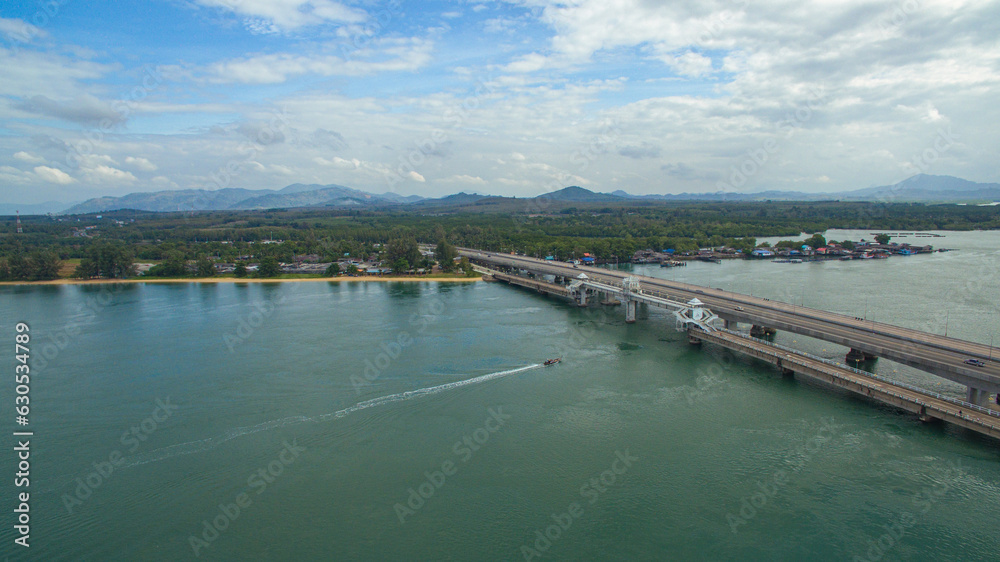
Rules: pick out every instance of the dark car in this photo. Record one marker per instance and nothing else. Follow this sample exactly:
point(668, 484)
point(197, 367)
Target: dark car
point(975, 362)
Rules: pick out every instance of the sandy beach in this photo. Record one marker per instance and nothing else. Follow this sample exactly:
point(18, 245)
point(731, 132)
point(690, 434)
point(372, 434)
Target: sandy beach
point(248, 280)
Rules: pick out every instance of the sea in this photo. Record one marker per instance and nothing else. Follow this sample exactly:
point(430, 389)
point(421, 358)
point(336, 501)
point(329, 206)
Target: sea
point(415, 421)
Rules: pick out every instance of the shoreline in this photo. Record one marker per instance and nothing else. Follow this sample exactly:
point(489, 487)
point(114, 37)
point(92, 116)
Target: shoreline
point(247, 280)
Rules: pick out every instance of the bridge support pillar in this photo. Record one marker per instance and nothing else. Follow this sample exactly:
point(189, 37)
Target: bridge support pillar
point(925, 417)
point(858, 356)
point(581, 297)
point(630, 312)
point(785, 371)
point(693, 340)
point(977, 396)
point(730, 325)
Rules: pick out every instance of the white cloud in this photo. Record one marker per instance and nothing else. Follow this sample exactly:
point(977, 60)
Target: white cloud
point(692, 87)
point(163, 182)
point(29, 73)
point(83, 109)
point(20, 31)
point(140, 164)
point(392, 56)
point(109, 174)
point(288, 14)
point(53, 175)
point(28, 157)
point(94, 160)
point(528, 63)
point(463, 179)
point(12, 175)
point(689, 64)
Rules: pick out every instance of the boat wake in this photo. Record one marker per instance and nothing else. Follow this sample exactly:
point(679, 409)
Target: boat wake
point(212, 442)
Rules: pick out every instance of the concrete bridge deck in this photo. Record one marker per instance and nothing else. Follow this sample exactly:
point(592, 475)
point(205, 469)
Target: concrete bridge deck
point(934, 353)
point(540, 286)
point(928, 405)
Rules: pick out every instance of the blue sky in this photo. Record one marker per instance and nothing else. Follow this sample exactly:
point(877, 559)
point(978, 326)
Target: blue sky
point(515, 98)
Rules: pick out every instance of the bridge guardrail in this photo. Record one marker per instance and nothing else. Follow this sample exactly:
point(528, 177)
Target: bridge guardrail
point(938, 396)
point(949, 399)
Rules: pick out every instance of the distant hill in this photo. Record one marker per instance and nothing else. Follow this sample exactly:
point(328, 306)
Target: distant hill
point(35, 209)
point(292, 196)
point(167, 201)
point(919, 188)
point(925, 187)
point(578, 194)
point(333, 195)
point(461, 198)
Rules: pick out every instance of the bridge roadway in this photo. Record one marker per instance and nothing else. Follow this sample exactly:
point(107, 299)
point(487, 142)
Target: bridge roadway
point(928, 405)
point(936, 354)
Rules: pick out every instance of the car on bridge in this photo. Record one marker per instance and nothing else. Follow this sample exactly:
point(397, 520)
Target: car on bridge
point(975, 362)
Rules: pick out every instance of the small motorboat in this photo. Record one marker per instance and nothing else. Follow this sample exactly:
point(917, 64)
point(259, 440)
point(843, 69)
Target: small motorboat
point(552, 361)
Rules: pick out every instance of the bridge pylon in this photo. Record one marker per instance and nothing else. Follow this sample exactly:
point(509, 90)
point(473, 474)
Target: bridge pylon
point(578, 289)
point(630, 289)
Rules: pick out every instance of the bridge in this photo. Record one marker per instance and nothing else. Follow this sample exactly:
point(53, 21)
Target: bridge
point(936, 354)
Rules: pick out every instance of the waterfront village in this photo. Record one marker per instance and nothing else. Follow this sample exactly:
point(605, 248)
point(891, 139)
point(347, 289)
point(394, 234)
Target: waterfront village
point(783, 252)
point(815, 248)
point(789, 252)
point(312, 264)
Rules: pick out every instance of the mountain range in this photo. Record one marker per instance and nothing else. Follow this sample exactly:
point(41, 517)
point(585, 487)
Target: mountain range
point(918, 188)
point(292, 196)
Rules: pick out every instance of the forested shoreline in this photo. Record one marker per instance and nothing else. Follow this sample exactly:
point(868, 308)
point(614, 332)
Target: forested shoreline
point(107, 245)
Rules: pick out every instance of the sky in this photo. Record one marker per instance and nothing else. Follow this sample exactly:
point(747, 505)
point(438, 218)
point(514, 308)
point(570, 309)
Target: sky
point(517, 98)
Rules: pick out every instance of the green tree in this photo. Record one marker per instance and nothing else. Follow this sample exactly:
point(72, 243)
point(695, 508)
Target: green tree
point(269, 267)
point(400, 266)
point(333, 270)
point(20, 269)
point(44, 265)
point(110, 261)
point(205, 267)
point(86, 269)
point(445, 254)
point(240, 270)
point(352, 270)
point(403, 249)
point(173, 266)
point(113, 261)
point(467, 267)
point(847, 245)
point(816, 241)
point(882, 238)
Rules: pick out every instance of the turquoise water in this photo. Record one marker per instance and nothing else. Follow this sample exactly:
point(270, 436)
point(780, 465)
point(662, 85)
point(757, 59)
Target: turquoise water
point(723, 458)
